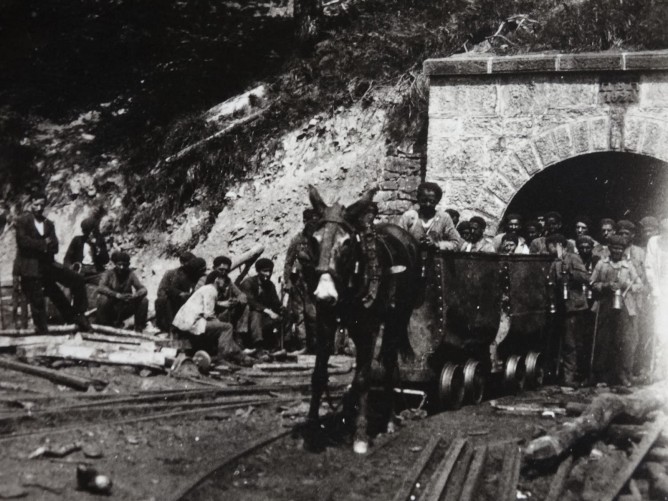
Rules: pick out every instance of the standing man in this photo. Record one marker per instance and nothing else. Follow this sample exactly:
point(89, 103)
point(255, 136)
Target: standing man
point(198, 320)
point(478, 242)
point(264, 305)
point(175, 288)
point(583, 227)
point(606, 230)
point(616, 280)
point(553, 223)
point(427, 225)
point(35, 264)
point(121, 295)
point(87, 253)
point(570, 275)
point(512, 224)
point(532, 230)
point(298, 263)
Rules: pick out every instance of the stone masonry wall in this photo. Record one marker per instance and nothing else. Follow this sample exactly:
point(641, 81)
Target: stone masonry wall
point(495, 122)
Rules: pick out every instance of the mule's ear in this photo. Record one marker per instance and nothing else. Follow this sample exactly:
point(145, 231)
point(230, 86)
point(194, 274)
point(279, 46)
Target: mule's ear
point(316, 200)
point(354, 211)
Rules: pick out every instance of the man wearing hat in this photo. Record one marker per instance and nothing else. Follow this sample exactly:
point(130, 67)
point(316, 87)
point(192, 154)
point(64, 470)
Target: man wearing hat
point(121, 295)
point(264, 306)
point(87, 253)
point(616, 281)
point(175, 288)
point(512, 223)
point(296, 278)
point(230, 297)
point(36, 247)
point(428, 225)
point(478, 241)
point(569, 274)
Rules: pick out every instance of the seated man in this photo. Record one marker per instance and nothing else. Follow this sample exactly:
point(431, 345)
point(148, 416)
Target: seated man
point(427, 225)
point(264, 305)
point(116, 298)
point(230, 296)
point(87, 253)
point(197, 319)
point(174, 289)
point(478, 241)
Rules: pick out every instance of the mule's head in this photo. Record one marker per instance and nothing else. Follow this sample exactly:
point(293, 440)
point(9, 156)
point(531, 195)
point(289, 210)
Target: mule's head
point(337, 243)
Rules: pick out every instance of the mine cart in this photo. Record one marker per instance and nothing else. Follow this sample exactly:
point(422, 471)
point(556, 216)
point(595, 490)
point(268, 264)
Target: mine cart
point(481, 314)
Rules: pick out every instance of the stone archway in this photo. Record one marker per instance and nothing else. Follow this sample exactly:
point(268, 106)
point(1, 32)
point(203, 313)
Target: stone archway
point(495, 122)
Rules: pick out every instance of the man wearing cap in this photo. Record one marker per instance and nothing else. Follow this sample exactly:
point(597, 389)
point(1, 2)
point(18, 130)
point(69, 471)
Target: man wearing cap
point(297, 274)
point(583, 227)
point(36, 247)
point(230, 297)
point(429, 226)
point(198, 320)
point(87, 253)
point(121, 295)
point(174, 289)
point(569, 275)
point(615, 280)
point(553, 223)
point(478, 241)
point(512, 224)
point(264, 305)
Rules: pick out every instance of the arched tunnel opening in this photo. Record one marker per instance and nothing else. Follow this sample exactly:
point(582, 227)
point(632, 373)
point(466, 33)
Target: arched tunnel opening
point(612, 184)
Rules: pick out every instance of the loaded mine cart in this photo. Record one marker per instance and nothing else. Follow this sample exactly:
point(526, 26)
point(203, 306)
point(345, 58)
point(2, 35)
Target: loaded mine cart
point(481, 316)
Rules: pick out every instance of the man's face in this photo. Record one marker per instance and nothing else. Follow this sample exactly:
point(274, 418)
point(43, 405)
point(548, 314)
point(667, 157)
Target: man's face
point(552, 225)
point(122, 267)
point(264, 274)
point(532, 233)
point(508, 247)
point(627, 235)
point(607, 231)
point(553, 249)
point(37, 206)
point(514, 225)
point(581, 229)
point(223, 269)
point(466, 234)
point(476, 232)
point(616, 252)
point(541, 221)
point(427, 201)
point(585, 248)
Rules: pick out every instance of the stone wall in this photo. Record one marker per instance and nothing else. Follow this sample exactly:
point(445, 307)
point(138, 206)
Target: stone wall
point(494, 122)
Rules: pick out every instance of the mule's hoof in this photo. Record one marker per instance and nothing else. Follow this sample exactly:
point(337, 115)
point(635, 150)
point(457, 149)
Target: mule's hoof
point(361, 447)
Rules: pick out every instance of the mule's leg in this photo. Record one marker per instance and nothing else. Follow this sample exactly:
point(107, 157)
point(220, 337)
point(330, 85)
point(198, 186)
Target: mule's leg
point(364, 342)
point(326, 325)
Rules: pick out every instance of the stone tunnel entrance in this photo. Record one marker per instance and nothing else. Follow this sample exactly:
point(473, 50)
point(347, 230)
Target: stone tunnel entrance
point(577, 133)
point(615, 185)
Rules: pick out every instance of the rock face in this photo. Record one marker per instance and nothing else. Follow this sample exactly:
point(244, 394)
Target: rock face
point(494, 122)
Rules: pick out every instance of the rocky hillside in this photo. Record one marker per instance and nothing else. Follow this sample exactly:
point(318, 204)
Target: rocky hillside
point(143, 108)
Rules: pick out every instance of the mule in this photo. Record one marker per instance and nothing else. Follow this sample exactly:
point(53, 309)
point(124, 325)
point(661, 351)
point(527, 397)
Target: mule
point(367, 277)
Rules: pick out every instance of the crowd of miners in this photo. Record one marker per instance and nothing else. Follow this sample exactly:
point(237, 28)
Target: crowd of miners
point(611, 281)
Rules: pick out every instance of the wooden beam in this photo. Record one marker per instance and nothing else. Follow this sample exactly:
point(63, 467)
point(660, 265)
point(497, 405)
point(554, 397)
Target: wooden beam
point(510, 473)
point(559, 480)
point(455, 484)
point(15, 341)
point(440, 477)
point(472, 483)
point(114, 331)
point(53, 329)
point(92, 352)
point(410, 479)
point(76, 382)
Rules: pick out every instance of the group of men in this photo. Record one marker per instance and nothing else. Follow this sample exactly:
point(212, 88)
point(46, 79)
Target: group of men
point(610, 287)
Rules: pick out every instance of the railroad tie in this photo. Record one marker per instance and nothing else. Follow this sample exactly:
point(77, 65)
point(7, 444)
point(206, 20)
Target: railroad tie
point(411, 478)
point(440, 477)
point(510, 473)
point(472, 482)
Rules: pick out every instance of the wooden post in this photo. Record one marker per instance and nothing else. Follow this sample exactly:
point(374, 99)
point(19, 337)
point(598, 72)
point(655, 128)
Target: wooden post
point(76, 382)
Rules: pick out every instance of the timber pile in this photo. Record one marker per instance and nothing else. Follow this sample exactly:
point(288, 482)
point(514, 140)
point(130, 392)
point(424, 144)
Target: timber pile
point(597, 459)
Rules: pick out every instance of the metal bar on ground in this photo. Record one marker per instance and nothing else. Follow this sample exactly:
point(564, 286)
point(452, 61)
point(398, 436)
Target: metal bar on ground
point(472, 483)
point(559, 480)
point(621, 478)
point(440, 478)
point(409, 480)
point(76, 382)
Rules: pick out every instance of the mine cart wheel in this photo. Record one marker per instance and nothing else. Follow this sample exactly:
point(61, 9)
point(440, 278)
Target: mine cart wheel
point(451, 386)
point(535, 372)
point(514, 374)
point(474, 381)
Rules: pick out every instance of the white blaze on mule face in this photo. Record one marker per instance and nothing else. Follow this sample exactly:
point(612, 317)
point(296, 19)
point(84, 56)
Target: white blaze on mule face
point(326, 290)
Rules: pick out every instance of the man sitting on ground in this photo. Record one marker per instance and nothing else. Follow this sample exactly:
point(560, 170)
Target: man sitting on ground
point(175, 288)
point(121, 295)
point(264, 306)
point(197, 320)
point(230, 297)
point(87, 253)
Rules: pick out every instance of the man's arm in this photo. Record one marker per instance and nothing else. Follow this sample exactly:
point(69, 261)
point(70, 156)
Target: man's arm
point(247, 287)
point(449, 238)
point(140, 289)
point(577, 270)
point(106, 286)
point(25, 239)
point(71, 254)
point(237, 295)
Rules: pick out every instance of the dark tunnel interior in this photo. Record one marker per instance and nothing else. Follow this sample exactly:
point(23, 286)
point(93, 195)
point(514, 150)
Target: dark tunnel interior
point(615, 185)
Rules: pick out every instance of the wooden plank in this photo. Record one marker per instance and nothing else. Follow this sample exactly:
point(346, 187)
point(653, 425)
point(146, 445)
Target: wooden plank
point(53, 329)
point(455, 484)
point(510, 473)
point(559, 480)
point(621, 478)
point(105, 329)
point(92, 352)
point(76, 382)
point(13, 341)
point(472, 483)
point(442, 474)
point(409, 480)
